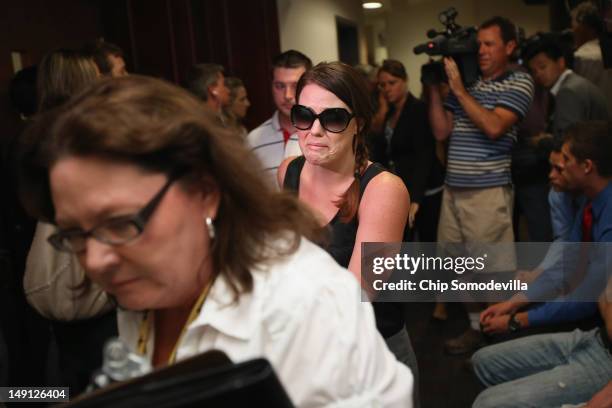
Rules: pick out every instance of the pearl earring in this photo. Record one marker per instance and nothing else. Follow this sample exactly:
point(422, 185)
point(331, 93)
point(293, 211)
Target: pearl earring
point(211, 228)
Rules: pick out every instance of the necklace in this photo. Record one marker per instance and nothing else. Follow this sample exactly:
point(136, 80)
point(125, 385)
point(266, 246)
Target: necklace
point(147, 323)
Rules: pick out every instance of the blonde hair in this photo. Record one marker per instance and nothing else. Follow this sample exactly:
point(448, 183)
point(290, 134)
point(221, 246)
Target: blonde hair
point(61, 74)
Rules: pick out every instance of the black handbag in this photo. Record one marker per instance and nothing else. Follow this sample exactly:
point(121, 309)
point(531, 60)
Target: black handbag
point(207, 380)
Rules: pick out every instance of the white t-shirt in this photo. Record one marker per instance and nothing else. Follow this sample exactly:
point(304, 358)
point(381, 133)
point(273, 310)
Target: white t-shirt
point(306, 317)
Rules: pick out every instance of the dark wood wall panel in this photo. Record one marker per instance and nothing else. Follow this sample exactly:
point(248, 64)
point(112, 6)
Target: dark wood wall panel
point(115, 17)
point(212, 40)
point(253, 36)
point(164, 38)
point(153, 38)
point(184, 39)
point(34, 27)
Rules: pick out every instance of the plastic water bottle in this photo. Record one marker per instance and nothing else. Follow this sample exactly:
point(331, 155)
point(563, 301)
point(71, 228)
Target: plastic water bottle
point(119, 363)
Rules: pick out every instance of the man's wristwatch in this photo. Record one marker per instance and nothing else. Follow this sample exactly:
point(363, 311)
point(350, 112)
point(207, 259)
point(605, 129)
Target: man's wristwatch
point(513, 324)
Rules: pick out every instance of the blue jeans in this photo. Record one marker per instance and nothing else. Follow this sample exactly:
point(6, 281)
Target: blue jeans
point(546, 370)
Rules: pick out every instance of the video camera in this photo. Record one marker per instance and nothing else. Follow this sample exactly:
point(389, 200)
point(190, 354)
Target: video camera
point(455, 41)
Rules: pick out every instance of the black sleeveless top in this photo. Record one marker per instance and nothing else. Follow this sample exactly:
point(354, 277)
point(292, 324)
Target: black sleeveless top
point(389, 316)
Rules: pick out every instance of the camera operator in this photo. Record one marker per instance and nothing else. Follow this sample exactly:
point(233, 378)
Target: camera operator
point(481, 123)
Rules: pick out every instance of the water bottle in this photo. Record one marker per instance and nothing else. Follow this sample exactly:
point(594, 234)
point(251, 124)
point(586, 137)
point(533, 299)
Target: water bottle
point(119, 363)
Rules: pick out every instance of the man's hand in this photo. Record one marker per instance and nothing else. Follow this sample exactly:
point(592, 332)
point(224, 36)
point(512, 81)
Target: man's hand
point(454, 76)
point(603, 399)
point(494, 123)
point(500, 309)
point(440, 119)
point(496, 325)
point(414, 208)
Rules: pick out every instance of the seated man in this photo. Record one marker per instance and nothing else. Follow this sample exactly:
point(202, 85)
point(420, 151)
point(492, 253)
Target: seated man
point(564, 205)
point(587, 154)
point(549, 369)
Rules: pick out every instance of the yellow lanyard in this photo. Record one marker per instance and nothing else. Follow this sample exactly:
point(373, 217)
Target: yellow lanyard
point(147, 323)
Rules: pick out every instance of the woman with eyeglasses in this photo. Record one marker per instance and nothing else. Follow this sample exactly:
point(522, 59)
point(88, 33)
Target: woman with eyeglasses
point(170, 215)
point(357, 200)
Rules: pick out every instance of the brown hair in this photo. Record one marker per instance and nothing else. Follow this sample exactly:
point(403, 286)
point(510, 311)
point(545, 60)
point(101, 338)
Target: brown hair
point(292, 59)
point(100, 51)
point(201, 77)
point(61, 74)
point(233, 84)
point(593, 141)
point(395, 68)
point(347, 84)
point(587, 14)
point(506, 28)
point(232, 122)
point(162, 128)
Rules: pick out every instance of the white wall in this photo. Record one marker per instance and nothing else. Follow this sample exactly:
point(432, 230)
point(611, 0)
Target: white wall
point(376, 29)
point(309, 26)
point(410, 19)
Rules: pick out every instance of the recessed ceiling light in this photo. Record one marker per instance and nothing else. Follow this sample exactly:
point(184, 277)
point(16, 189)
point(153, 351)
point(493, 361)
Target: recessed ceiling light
point(371, 5)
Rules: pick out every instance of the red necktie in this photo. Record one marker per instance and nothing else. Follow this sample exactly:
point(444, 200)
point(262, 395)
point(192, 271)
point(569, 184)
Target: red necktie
point(587, 223)
point(576, 277)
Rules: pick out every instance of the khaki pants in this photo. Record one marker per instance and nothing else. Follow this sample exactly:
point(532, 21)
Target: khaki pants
point(477, 216)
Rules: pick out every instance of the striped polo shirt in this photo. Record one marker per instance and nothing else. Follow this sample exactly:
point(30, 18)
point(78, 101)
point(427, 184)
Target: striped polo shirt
point(475, 160)
point(268, 144)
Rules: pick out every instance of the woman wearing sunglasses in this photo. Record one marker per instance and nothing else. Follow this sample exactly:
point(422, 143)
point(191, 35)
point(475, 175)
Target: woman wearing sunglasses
point(358, 200)
point(170, 215)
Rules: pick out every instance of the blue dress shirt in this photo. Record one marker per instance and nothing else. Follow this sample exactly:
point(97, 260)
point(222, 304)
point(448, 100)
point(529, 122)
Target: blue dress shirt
point(554, 279)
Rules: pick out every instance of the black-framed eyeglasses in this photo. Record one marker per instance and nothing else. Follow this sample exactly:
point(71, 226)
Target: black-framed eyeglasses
point(333, 120)
point(114, 231)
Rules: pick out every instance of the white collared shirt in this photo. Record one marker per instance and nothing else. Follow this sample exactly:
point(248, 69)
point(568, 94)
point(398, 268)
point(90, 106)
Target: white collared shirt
point(555, 88)
point(268, 144)
point(306, 317)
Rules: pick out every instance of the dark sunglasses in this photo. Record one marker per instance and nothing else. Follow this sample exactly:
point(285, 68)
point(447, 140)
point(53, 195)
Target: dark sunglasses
point(333, 120)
